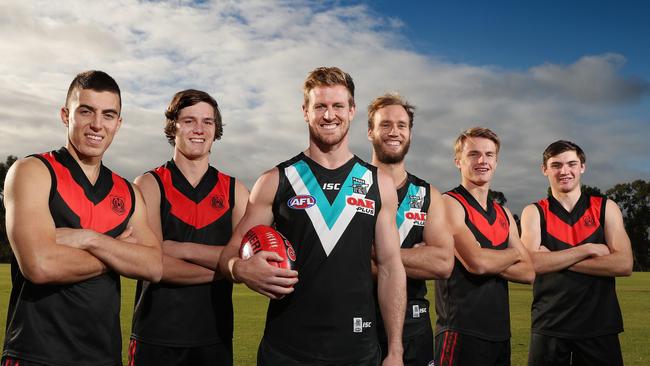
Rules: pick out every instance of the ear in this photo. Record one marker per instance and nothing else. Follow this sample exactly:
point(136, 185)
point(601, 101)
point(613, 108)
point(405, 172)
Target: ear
point(119, 124)
point(304, 113)
point(583, 167)
point(353, 110)
point(457, 162)
point(65, 116)
point(543, 170)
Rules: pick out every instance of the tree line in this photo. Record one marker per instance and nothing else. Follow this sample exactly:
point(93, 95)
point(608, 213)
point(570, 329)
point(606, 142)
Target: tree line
point(633, 198)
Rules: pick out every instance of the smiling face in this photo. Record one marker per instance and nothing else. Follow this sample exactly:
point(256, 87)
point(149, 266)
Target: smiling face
point(390, 134)
point(195, 129)
point(92, 119)
point(564, 171)
point(477, 160)
point(328, 115)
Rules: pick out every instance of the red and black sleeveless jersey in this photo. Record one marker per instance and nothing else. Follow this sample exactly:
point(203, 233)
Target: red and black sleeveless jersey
point(570, 304)
point(194, 315)
point(414, 198)
point(472, 304)
point(329, 216)
point(73, 324)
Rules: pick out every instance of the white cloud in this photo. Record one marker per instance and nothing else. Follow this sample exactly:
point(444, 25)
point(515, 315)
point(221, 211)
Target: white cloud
point(252, 57)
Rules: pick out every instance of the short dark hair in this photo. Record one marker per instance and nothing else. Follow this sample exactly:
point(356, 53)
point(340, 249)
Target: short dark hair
point(387, 100)
point(94, 80)
point(188, 98)
point(560, 146)
point(328, 76)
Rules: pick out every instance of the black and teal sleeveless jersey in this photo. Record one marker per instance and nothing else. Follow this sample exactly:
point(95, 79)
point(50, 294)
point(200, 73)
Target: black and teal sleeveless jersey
point(329, 216)
point(472, 304)
point(414, 198)
point(193, 315)
point(569, 304)
point(78, 323)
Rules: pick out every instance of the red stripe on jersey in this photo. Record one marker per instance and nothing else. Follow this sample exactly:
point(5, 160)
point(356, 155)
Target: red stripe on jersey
point(204, 213)
point(497, 232)
point(102, 217)
point(583, 228)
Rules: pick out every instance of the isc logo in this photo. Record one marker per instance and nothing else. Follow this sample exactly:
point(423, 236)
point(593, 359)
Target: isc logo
point(331, 186)
point(301, 202)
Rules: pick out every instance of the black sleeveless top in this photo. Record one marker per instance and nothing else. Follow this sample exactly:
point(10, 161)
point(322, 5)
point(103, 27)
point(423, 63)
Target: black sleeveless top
point(194, 315)
point(79, 323)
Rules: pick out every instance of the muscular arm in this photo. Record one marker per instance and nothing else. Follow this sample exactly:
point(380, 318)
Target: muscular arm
point(619, 261)
point(175, 270)
point(203, 254)
point(434, 259)
point(391, 277)
point(141, 259)
point(522, 271)
point(545, 261)
point(31, 230)
point(256, 272)
point(476, 260)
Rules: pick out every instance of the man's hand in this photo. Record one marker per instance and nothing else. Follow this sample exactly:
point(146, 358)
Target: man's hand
point(75, 238)
point(260, 276)
point(597, 250)
point(392, 360)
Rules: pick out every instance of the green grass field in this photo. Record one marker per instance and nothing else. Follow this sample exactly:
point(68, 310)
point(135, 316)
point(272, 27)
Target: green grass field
point(250, 312)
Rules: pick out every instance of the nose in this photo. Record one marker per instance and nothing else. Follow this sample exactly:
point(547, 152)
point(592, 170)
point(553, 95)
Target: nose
point(393, 131)
point(481, 158)
point(96, 123)
point(329, 114)
point(198, 127)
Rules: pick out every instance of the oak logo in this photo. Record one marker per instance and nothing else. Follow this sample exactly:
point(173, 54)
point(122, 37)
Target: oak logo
point(363, 205)
point(117, 204)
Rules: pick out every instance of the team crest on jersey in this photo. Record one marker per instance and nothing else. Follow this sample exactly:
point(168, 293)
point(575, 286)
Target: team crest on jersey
point(361, 204)
point(503, 223)
point(359, 186)
point(301, 201)
point(589, 221)
point(416, 202)
point(117, 204)
point(216, 202)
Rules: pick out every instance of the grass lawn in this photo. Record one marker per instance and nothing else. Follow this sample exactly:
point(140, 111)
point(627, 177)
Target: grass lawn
point(250, 312)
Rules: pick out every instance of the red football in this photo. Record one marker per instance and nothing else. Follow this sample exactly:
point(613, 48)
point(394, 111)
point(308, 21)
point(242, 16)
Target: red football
point(266, 238)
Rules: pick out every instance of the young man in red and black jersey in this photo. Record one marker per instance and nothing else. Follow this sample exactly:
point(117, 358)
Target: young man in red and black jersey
point(473, 324)
point(427, 246)
point(578, 244)
point(74, 227)
point(187, 318)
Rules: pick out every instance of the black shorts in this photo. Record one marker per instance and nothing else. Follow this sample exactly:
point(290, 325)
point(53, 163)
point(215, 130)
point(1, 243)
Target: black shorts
point(453, 348)
point(269, 356)
point(553, 351)
point(418, 349)
point(145, 354)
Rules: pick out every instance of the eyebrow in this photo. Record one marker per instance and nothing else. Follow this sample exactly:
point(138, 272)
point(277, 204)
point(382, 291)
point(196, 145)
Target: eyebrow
point(95, 109)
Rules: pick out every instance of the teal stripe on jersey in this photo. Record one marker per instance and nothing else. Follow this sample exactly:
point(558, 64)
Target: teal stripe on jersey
point(330, 212)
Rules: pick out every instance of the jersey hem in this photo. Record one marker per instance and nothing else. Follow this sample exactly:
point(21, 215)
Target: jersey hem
point(168, 343)
point(576, 336)
point(474, 334)
point(50, 362)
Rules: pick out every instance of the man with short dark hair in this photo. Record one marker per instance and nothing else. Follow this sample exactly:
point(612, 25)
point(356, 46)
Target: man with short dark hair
point(328, 316)
point(74, 227)
point(578, 245)
point(187, 318)
point(427, 246)
point(473, 324)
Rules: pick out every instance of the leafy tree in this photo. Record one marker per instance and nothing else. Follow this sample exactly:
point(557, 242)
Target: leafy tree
point(634, 200)
point(499, 197)
point(5, 250)
point(594, 191)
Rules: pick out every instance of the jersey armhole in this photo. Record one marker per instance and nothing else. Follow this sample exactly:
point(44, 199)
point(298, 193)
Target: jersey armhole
point(53, 181)
point(542, 223)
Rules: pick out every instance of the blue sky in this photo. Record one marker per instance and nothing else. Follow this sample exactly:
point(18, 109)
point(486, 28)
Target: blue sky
point(534, 72)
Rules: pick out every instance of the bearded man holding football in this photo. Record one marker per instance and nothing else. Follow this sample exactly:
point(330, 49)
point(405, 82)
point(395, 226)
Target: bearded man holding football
point(332, 207)
point(187, 318)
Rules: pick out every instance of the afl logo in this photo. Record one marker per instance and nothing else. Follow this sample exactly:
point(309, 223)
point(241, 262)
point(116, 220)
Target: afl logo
point(216, 202)
point(589, 221)
point(301, 202)
point(117, 205)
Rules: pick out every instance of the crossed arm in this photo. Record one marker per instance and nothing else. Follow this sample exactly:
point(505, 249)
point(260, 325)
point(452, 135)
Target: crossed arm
point(613, 259)
point(47, 255)
point(186, 263)
point(434, 258)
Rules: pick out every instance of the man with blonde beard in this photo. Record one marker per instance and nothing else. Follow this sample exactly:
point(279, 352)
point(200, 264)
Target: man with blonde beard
point(426, 242)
